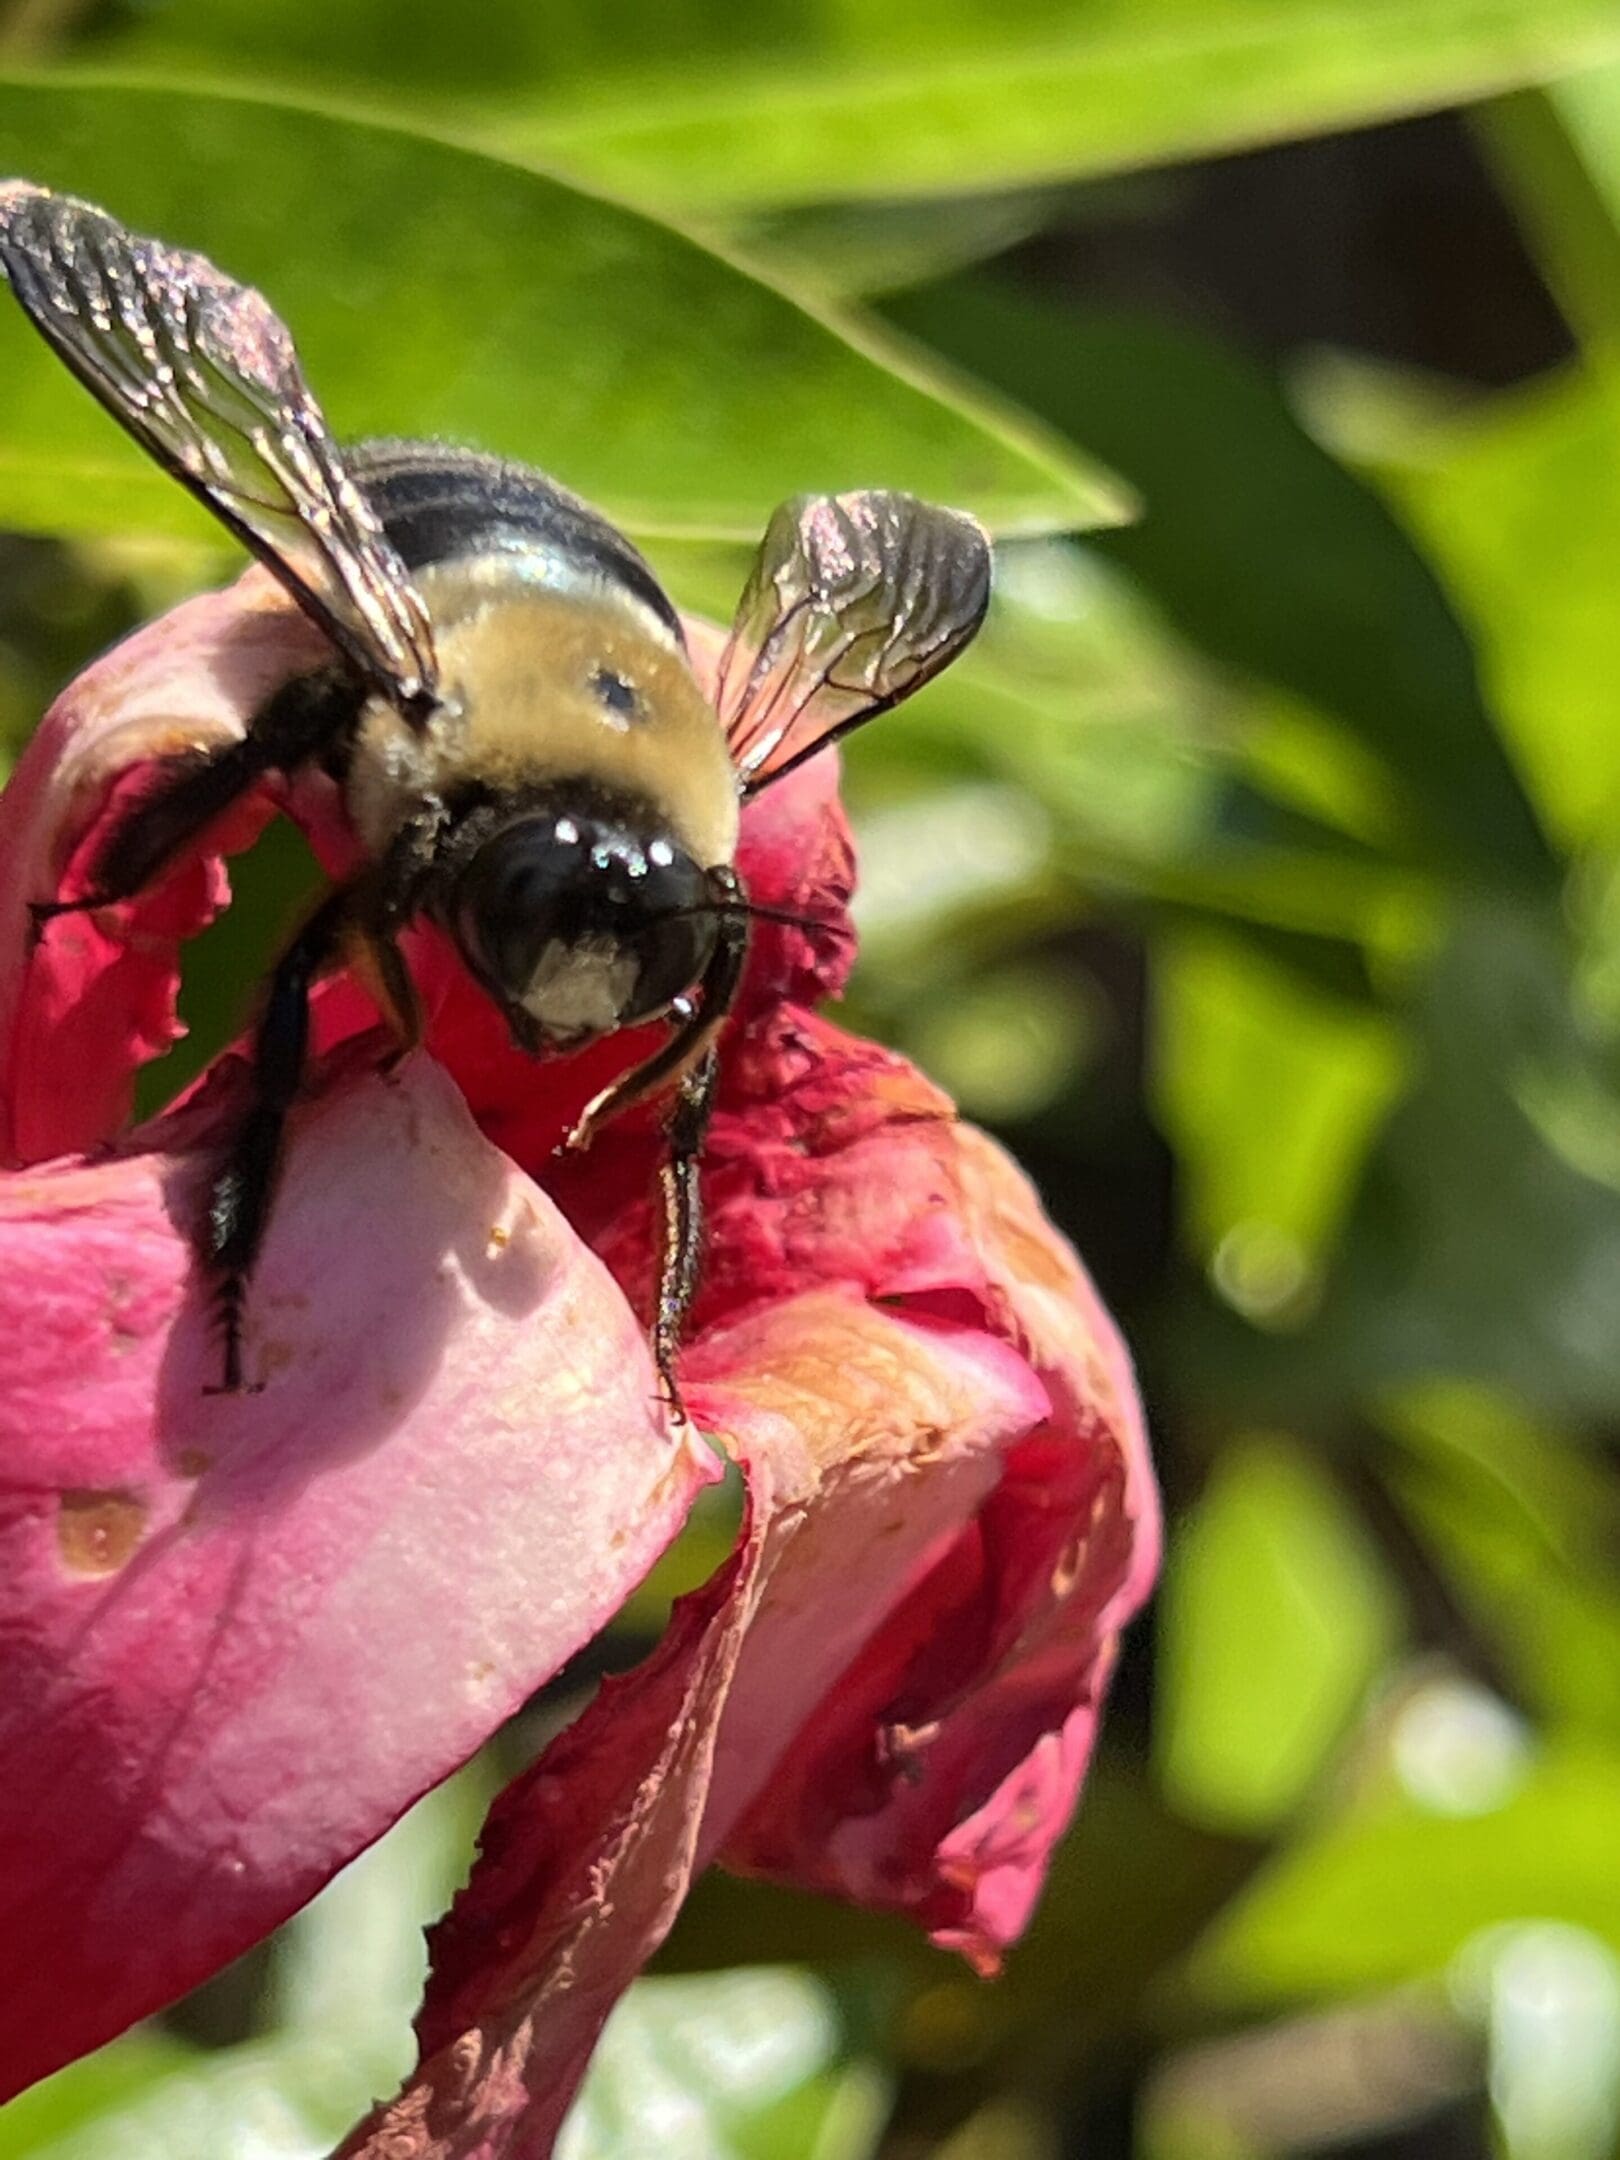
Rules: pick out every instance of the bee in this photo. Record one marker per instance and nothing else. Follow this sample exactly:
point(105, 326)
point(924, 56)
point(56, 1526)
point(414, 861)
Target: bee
point(524, 752)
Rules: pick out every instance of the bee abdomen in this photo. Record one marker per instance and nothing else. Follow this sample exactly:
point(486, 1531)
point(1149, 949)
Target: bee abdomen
point(441, 504)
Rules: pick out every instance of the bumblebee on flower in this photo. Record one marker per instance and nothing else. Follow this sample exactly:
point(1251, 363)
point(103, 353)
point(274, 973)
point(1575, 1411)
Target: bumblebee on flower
point(324, 1595)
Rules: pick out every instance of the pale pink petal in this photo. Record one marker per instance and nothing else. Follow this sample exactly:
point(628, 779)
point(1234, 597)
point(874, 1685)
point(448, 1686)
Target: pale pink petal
point(241, 1635)
point(867, 1441)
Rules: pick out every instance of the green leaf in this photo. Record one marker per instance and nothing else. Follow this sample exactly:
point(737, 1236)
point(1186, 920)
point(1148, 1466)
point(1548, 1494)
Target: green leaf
point(698, 105)
point(1118, 762)
point(1480, 1247)
point(1520, 508)
point(1272, 1092)
point(1275, 1617)
point(438, 292)
point(1267, 554)
point(1393, 1888)
point(1527, 1528)
point(736, 2066)
point(47, 2119)
point(1553, 153)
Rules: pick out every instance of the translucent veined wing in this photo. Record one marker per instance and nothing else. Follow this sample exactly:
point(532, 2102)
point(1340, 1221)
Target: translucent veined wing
point(854, 601)
point(203, 374)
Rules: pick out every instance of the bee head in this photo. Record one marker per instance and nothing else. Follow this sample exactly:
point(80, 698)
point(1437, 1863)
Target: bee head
point(580, 924)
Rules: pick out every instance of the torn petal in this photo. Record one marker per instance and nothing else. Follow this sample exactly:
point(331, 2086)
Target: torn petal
point(81, 1010)
point(243, 1634)
point(952, 1515)
point(866, 1441)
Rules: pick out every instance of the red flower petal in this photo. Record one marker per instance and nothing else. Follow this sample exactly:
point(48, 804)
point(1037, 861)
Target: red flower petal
point(890, 1692)
point(867, 1441)
point(84, 1008)
point(242, 1635)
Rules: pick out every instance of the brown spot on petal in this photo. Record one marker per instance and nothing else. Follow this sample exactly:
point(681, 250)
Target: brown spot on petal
point(275, 1357)
point(499, 1237)
point(194, 1461)
point(96, 1532)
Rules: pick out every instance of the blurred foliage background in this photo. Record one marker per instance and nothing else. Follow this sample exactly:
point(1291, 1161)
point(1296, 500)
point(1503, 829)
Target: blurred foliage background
point(1258, 878)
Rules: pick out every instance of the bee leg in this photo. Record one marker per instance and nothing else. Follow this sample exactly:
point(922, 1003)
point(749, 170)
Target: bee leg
point(200, 785)
point(380, 967)
point(238, 1206)
point(682, 1191)
point(691, 1062)
point(718, 993)
point(200, 788)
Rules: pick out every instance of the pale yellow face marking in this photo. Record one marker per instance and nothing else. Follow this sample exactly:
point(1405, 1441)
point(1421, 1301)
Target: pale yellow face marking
point(517, 671)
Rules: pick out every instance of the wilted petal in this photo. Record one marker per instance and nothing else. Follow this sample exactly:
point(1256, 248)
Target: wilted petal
point(938, 1773)
point(892, 1689)
point(83, 1009)
point(241, 1635)
point(867, 1441)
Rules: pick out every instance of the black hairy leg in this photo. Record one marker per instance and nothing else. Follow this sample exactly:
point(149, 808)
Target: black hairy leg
point(240, 1195)
point(309, 717)
point(698, 1027)
point(689, 1063)
point(379, 966)
point(681, 1189)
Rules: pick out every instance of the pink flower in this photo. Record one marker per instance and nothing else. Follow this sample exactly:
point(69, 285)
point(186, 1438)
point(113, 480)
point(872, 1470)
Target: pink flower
point(242, 1635)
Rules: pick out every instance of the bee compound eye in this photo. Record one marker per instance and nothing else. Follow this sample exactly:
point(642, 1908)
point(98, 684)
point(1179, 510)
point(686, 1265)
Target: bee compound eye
point(584, 924)
point(514, 897)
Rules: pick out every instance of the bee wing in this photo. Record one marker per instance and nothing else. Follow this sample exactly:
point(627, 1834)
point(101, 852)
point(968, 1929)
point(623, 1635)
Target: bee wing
point(854, 601)
point(203, 374)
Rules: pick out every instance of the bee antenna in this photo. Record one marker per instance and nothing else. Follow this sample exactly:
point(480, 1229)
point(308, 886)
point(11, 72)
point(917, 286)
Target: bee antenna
point(756, 913)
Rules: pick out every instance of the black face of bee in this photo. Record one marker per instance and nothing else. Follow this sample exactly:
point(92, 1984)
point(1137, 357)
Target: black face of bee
point(580, 924)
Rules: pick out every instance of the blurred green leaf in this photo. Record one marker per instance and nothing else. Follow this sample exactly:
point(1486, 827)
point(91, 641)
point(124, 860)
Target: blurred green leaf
point(1476, 1247)
point(1566, 177)
point(1520, 506)
point(437, 292)
point(697, 105)
point(1393, 1889)
point(1086, 752)
point(1527, 1529)
point(1553, 152)
point(1272, 1091)
point(1275, 1617)
point(1263, 551)
point(732, 2066)
point(47, 2119)
point(262, 2097)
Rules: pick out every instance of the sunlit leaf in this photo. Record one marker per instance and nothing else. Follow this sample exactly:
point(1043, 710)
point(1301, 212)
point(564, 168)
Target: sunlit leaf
point(1521, 508)
point(703, 105)
point(1394, 1889)
point(1272, 1090)
point(1527, 1530)
point(1276, 1616)
point(435, 292)
point(733, 2066)
point(1267, 554)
